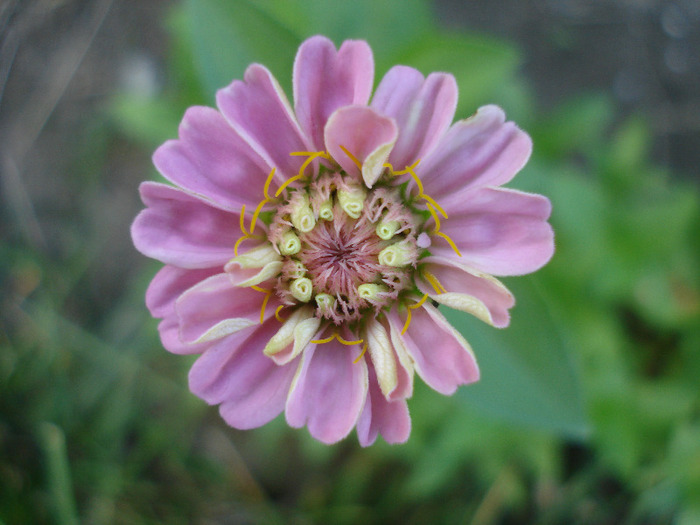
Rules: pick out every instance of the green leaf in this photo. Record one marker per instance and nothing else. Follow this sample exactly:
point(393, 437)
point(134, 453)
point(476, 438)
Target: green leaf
point(386, 28)
point(527, 376)
point(229, 35)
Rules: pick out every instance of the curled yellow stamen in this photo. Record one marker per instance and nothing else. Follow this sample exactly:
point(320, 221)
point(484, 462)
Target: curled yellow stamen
point(243, 220)
point(421, 192)
point(313, 155)
point(352, 158)
point(364, 349)
point(256, 214)
point(238, 243)
point(340, 340)
point(277, 313)
point(412, 307)
point(266, 188)
point(437, 286)
point(438, 232)
point(450, 241)
point(267, 293)
point(288, 182)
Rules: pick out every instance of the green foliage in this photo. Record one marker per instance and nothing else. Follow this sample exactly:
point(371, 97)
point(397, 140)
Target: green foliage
point(587, 411)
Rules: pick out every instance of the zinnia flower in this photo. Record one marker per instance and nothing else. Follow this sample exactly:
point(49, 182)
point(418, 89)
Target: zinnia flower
point(307, 249)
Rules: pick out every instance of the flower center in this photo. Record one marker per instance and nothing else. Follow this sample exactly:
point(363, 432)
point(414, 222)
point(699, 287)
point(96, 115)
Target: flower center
point(347, 250)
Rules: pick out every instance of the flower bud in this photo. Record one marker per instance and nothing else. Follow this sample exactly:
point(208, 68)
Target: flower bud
point(386, 230)
point(352, 200)
point(290, 243)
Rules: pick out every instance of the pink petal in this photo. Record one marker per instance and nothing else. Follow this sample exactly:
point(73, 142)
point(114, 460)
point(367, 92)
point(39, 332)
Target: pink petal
point(251, 389)
point(423, 110)
point(458, 278)
point(325, 80)
point(483, 150)
point(442, 357)
point(168, 284)
point(329, 391)
point(259, 112)
point(210, 159)
point(366, 135)
point(379, 416)
point(499, 231)
point(183, 230)
point(169, 330)
point(216, 299)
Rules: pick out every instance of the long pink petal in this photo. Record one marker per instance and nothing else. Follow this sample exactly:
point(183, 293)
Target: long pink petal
point(366, 135)
point(458, 278)
point(499, 231)
point(442, 357)
point(423, 110)
point(169, 331)
point(483, 150)
point(183, 230)
point(325, 80)
point(216, 299)
point(252, 389)
point(379, 416)
point(210, 159)
point(329, 391)
point(259, 112)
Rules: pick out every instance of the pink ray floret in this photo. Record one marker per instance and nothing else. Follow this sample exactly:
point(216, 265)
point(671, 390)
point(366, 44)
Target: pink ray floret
point(309, 247)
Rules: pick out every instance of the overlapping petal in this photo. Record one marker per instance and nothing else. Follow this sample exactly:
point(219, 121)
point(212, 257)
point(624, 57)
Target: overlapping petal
point(379, 416)
point(251, 389)
point(367, 135)
point(326, 79)
point(212, 160)
point(215, 308)
point(463, 288)
point(483, 150)
point(328, 392)
point(443, 359)
point(499, 231)
point(258, 110)
point(423, 109)
point(183, 230)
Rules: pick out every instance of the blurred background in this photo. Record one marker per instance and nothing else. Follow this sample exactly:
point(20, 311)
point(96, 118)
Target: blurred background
point(588, 411)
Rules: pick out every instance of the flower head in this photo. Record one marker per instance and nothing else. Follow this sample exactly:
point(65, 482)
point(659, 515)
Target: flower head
point(307, 248)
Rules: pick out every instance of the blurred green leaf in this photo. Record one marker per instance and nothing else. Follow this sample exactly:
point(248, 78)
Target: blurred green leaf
point(146, 120)
point(229, 35)
point(388, 29)
point(527, 376)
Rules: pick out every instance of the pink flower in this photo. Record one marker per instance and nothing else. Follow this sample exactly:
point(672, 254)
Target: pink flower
point(307, 248)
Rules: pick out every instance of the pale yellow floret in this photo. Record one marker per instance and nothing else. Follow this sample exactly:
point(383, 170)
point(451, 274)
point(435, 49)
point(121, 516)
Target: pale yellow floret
point(352, 201)
point(371, 291)
point(325, 211)
point(386, 230)
point(301, 289)
point(396, 255)
point(324, 301)
point(290, 243)
point(302, 217)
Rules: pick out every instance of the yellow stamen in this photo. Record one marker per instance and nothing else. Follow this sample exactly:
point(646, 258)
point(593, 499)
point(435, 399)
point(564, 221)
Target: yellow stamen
point(267, 184)
point(288, 182)
point(352, 158)
point(432, 201)
point(437, 286)
point(340, 340)
point(267, 293)
point(436, 217)
point(412, 307)
point(256, 213)
point(238, 243)
point(243, 220)
point(277, 313)
point(364, 349)
point(450, 241)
